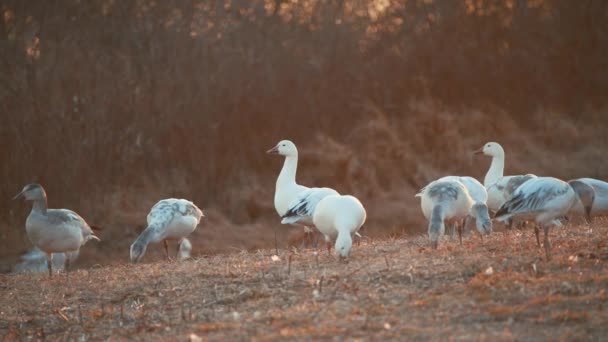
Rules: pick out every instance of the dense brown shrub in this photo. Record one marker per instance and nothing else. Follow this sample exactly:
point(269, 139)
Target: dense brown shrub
point(113, 105)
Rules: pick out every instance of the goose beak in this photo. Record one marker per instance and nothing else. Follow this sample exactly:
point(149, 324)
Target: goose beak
point(18, 196)
point(480, 151)
point(274, 150)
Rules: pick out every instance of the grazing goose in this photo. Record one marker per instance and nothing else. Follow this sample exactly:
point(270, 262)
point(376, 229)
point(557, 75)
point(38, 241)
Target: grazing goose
point(169, 219)
point(586, 197)
point(479, 210)
point(600, 203)
point(185, 249)
point(499, 187)
point(54, 230)
point(544, 200)
point(34, 261)
point(293, 202)
point(339, 217)
point(444, 202)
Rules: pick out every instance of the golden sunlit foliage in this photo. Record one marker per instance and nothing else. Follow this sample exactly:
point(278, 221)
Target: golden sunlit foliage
point(113, 105)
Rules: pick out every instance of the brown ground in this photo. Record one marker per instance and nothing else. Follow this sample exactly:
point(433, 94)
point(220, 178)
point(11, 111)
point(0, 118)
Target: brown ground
point(501, 289)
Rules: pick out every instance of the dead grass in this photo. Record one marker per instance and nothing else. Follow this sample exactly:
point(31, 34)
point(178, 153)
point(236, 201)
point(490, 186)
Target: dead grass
point(500, 289)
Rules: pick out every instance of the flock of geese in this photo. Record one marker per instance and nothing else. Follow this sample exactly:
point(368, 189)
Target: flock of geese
point(451, 200)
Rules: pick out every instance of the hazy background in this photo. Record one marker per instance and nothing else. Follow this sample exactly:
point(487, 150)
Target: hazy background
point(113, 105)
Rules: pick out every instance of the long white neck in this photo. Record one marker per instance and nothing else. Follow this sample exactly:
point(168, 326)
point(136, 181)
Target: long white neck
point(40, 206)
point(496, 170)
point(288, 172)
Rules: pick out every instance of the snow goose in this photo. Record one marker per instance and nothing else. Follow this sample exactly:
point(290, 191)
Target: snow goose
point(54, 230)
point(444, 202)
point(544, 200)
point(169, 219)
point(479, 210)
point(339, 217)
point(293, 202)
point(586, 198)
point(600, 204)
point(499, 187)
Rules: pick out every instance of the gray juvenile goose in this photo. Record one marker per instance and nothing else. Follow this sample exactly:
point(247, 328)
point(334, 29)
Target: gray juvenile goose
point(53, 230)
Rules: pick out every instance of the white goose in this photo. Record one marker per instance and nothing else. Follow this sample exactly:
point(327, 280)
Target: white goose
point(600, 204)
point(499, 187)
point(544, 200)
point(339, 217)
point(54, 230)
point(169, 219)
point(293, 202)
point(479, 210)
point(444, 202)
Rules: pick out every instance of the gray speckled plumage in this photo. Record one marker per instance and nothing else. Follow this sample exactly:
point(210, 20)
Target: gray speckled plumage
point(443, 191)
point(169, 219)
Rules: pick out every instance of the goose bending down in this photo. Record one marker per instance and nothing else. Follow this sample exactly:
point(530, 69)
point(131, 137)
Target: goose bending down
point(499, 187)
point(444, 202)
point(339, 217)
point(34, 261)
point(295, 203)
point(586, 198)
point(544, 200)
point(54, 230)
point(600, 203)
point(169, 219)
point(479, 210)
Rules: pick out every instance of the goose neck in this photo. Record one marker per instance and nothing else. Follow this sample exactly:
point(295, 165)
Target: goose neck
point(40, 206)
point(496, 170)
point(288, 172)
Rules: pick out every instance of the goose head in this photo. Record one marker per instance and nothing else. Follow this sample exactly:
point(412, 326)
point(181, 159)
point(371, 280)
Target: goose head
point(491, 149)
point(343, 246)
point(284, 148)
point(31, 192)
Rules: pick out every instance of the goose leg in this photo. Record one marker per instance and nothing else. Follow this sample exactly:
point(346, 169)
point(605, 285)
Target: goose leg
point(536, 231)
point(459, 227)
point(547, 243)
point(179, 245)
point(66, 265)
point(166, 244)
point(49, 264)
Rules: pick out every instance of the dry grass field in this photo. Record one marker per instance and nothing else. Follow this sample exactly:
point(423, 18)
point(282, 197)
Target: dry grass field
point(500, 289)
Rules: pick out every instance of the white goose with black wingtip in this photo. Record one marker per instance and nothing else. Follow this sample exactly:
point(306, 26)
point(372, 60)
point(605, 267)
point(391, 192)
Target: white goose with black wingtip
point(295, 203)
point(54, 230)
point(499, 187)
point(169, 219)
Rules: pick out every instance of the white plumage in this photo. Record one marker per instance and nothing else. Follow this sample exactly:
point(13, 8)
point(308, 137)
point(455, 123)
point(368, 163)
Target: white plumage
point(544, 200)
point(499, 187)
point(169, 219)
point(339, 217)
point(54, 230)
point(444, 202)
point(479, 210)
point(293, 202)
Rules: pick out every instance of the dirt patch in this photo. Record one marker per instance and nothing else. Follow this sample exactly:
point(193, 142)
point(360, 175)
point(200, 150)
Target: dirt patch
point(500, 289)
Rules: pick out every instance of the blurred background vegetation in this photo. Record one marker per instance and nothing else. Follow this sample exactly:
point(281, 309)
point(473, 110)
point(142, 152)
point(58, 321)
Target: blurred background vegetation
point(113, 105)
